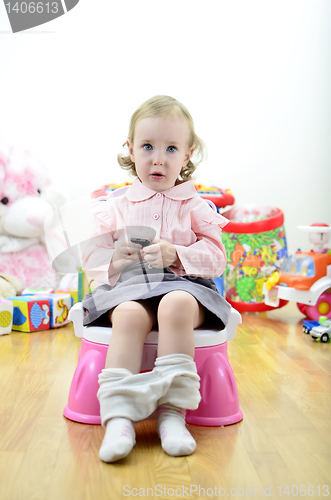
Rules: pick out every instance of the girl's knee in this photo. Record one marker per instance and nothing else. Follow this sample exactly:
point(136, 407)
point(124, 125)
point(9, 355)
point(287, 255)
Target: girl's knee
point(177, 304)
point(132, 314)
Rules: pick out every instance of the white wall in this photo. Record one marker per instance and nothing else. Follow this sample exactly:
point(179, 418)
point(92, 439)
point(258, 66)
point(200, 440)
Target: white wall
point(254, 74)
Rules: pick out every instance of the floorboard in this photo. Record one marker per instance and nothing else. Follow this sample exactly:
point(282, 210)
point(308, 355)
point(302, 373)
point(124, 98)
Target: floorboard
point(282, 444)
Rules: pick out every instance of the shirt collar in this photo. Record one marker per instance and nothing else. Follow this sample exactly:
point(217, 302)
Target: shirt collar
point(138, 192)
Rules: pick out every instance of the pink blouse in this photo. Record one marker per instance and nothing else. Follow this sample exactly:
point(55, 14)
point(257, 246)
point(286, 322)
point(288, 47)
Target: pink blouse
point(178, 215)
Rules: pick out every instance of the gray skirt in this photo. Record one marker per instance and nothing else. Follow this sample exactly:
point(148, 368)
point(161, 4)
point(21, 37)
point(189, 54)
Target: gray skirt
point(138, 282)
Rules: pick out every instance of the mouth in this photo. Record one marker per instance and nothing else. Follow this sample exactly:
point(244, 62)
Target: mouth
point(157, 176)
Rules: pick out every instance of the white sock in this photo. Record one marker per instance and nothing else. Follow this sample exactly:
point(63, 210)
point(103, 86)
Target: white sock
point(119, 439)
point(175, 438)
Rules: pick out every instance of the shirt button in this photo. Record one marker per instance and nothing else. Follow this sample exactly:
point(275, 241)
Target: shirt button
point(156, 216)
point(158, 195)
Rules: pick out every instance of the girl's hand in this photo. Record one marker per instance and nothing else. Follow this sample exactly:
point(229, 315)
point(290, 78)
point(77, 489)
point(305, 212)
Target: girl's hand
point(160, 254)
point(127, 251)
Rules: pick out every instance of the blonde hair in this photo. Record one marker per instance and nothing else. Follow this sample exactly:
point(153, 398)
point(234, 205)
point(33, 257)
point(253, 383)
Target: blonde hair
point(159, 106)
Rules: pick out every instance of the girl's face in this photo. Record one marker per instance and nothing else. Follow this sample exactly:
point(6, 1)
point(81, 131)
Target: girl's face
point(160, 150)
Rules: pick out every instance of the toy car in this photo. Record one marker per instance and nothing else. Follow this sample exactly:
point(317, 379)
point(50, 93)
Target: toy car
point(322, 331)
point(303, 269)
point(305, 277)
point(308, 325)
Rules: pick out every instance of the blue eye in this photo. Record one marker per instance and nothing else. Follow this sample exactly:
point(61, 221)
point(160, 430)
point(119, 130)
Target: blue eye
point(172, 149)
point(148, 147)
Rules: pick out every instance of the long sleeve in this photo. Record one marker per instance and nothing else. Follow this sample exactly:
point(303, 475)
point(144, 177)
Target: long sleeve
point(207, 256)
point(97, 255)
point(99, 249)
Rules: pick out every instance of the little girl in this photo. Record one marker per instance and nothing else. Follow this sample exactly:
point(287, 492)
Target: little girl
point(162, 282)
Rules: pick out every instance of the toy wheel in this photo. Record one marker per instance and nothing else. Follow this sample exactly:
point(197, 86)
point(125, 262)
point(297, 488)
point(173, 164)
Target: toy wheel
point(305, 329)
point(302, 308)
point(314, 337)
point(321, 308)
point(325, 337)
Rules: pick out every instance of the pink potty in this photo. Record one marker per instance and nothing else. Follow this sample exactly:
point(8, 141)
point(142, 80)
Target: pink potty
point(219, 404)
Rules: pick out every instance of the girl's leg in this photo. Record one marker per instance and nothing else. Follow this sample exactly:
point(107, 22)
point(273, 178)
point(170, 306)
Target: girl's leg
point(131, 323)
point(178, 314)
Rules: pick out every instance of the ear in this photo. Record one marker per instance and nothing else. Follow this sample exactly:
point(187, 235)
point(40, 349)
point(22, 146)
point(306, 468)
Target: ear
point(129, 143)
point(188, 155)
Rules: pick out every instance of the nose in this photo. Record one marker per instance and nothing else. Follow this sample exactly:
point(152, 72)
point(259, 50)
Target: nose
point(158, 158)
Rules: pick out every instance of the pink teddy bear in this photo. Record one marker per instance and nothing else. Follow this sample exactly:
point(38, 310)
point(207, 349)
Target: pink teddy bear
point(25, 201)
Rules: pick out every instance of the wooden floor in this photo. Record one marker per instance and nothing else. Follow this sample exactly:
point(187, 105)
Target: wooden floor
point(283, 443)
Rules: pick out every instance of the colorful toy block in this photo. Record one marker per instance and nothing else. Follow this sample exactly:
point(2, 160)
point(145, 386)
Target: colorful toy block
point(6, 316)
point(60, 304)
point(31, 314)
point(37, 291)
point(73, 293)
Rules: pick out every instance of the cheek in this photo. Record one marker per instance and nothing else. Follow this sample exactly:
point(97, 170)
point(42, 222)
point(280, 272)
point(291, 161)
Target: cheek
point(141, 161)
point(181, 161)
point(142, 156)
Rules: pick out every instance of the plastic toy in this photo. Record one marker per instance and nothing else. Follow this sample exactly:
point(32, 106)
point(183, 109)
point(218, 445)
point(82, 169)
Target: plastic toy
point(6, 316)
point(220, 401)
point(307, 325)
point(319, 235)
point(256, 247)
point(305, 278)
point(30, 313)
point(322, 331)
point(272, 281)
